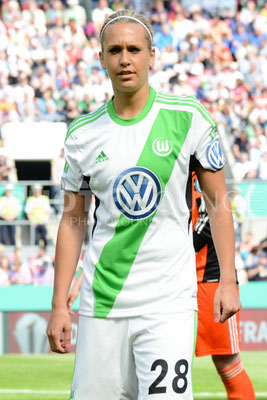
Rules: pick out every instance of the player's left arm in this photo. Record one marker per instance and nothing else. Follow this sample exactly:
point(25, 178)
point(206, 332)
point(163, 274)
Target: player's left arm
point(226, 301)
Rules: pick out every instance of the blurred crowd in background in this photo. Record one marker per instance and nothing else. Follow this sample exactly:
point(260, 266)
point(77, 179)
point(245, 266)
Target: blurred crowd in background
point(216, 51)
point(16, 268)
point(50, 71)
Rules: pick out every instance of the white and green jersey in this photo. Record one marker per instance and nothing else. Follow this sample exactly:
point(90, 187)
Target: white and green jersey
point(140, 257)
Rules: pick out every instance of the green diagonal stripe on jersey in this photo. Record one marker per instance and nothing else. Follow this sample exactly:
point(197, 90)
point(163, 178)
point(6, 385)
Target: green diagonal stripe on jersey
point(119, 253)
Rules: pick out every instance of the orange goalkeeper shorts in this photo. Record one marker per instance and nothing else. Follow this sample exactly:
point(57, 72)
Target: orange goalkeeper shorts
point(212, 338)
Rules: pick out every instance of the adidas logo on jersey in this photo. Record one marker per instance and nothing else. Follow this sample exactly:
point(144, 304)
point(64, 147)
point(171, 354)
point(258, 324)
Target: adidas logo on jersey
point(101, 157)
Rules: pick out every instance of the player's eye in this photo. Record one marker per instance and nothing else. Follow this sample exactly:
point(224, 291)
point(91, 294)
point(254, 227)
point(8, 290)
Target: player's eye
point(114, 50)
point(134, 50)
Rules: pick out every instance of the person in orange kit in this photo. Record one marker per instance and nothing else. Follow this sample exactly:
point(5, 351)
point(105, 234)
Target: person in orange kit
point(221, 341)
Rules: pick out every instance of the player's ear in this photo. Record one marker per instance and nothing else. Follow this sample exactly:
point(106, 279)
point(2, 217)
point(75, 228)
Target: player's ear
point(152, 57)
point(101, 58)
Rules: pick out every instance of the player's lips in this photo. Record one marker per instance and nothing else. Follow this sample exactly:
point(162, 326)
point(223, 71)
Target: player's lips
point(125, 73)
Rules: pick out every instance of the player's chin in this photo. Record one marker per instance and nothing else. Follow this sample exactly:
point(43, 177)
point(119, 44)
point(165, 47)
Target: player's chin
point(127, 85)
point(128, 88)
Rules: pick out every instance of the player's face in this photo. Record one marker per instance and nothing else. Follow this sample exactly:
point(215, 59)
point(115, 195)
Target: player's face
point(126, 56)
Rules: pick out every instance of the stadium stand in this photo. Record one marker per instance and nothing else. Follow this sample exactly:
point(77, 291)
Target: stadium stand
point(50, 74)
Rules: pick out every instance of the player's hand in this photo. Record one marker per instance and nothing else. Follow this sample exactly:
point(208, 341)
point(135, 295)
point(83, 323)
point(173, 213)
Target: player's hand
point(59, 331)
point(226, 302)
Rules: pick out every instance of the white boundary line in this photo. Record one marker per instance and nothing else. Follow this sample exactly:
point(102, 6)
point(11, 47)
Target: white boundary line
point(29, 391)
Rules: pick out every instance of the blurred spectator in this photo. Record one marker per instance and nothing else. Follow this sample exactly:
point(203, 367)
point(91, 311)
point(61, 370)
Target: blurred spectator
point(4, 168)
point(169, 57)
point(182, 26)
point(8, 171)
point(248, 14)
point(24, 95)
point(4, 272)
point(8, 111)
point(21, 273)
point(247, 245)
point(220, 30)
point(10, 12)
point(201, 24)
point(100, 13)
point(182, 88)
point(241, 144)
point(42, 268)
point(263, 167)
point(74, 33)
point(33, 15)
point(164, 37)
point(18, 253)
point(244, 168)
point(256, 264)
point(255, 153)
point(38, 210)
point(75, 12)
point(242, 275)
point(10, 209)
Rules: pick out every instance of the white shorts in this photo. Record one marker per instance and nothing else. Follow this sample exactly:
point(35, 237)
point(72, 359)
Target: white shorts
point(137, 358)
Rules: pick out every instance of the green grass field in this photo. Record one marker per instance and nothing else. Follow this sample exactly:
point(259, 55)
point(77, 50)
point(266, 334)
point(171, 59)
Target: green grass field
point(48, 377)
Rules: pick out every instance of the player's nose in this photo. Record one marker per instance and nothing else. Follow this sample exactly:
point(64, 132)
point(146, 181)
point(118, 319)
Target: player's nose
point(124, 58)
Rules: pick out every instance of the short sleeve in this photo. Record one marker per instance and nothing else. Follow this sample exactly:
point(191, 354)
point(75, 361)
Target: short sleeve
point(208, 150)
point(72, 177)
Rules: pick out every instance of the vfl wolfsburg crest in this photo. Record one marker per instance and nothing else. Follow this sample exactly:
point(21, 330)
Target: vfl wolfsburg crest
point(162, 147)
point(137, 192)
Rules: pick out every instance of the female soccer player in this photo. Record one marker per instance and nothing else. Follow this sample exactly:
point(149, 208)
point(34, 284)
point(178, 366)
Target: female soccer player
point(138, 296)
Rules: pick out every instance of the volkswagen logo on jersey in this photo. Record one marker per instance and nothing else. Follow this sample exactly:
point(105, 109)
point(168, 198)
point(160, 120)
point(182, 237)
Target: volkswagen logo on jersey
point(137, 192)
point(215, 155)
point(162, 147)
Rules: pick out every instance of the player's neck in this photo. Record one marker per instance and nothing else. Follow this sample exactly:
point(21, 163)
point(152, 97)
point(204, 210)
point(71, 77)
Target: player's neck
point(130, 104)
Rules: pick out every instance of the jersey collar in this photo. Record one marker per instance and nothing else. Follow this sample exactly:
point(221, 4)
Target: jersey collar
point(137, 118)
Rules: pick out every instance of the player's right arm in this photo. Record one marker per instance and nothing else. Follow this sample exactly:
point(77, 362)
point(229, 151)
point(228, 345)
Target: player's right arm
point(70, 238)
point(226, 301)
